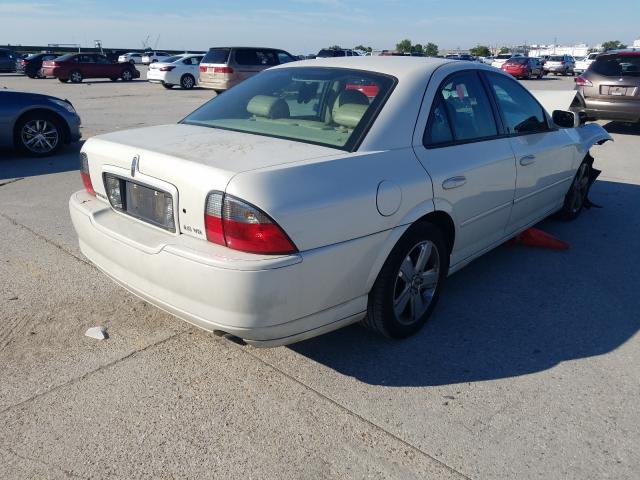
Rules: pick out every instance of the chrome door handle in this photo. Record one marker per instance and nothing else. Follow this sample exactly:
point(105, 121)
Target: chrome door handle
point(527, 160)
point(454, 182)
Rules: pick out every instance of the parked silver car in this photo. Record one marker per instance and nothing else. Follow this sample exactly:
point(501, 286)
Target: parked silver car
point(560, 65)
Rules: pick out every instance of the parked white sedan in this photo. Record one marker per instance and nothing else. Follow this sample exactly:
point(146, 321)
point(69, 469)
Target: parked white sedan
point(294, 204)
point(152, 57)
point(180, 70)
point(131, 57)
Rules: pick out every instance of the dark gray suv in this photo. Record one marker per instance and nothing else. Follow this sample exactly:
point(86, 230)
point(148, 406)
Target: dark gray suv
point(610, 88)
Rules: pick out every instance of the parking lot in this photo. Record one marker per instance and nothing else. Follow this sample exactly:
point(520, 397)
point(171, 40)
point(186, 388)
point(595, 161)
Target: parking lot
point(529, 367)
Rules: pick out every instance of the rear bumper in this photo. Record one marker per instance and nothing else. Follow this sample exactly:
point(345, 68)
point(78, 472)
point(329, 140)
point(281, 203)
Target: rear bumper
point(625, 111)
point(269, 301)
point(51, 71)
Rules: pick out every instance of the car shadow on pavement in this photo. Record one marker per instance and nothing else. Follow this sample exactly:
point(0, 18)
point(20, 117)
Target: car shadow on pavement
point(14, 165)
point(623, 128)
point(516, 310)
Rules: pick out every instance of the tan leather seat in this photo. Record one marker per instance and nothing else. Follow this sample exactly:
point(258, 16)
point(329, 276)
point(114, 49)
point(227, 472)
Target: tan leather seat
point(268, 107)
point(349, 108)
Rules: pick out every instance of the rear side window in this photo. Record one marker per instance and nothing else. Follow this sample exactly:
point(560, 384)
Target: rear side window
point(522, 113)
point(463, 106)
point(617, 65)
point(217, 55)
point(438, 129)
point(267, 57)
point(284, 57)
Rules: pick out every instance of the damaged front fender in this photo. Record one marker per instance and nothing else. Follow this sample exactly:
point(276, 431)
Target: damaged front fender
point(591, 134)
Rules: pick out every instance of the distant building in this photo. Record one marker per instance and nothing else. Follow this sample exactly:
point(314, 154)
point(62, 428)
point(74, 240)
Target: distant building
point(637, 43)
point(580, 50)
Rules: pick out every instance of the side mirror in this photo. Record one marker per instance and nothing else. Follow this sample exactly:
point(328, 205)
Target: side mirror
point(564, 119)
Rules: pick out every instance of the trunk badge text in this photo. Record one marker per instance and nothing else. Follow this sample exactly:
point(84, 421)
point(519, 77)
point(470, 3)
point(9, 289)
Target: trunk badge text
point(134, 165)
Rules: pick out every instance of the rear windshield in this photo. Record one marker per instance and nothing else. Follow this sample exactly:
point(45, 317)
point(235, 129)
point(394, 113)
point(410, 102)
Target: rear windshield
point(323, 106)
point(521, 60)
point(172, 59)
point(65, 58)
point(556, 58)
point(217, 55)
point(504, 56)
point(617, 65)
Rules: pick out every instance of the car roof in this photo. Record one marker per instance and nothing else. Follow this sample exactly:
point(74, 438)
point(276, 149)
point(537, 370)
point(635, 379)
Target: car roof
point(389, 65)
point(258, 48)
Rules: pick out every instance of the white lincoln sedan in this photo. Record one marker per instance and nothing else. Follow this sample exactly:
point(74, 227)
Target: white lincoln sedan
point(294, 203)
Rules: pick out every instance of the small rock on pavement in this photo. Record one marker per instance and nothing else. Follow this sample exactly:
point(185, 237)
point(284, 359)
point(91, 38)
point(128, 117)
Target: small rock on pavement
point(99, 333)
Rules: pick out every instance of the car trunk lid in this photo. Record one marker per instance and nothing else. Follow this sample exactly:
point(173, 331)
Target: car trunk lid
point(188, 162)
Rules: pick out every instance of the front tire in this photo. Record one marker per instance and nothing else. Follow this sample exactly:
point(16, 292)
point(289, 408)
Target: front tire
point(576, 197)
point(127, 75)
point(76, 76)
point(409, 283)
point(38, 134)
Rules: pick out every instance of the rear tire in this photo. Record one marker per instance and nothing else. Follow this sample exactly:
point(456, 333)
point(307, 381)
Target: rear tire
point(63, 80)
point(113, 79)
point(576, 197)
point(187, 81)
point(409, 283)
point(38, 134)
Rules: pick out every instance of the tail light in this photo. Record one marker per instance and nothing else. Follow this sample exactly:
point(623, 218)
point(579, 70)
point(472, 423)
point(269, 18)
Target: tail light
point(166, 69)
point(223, 70)
point(583, 82)
point(84, 173)
point(562, 62)
point(203, 68)
point(23, 62)
point(238, 225)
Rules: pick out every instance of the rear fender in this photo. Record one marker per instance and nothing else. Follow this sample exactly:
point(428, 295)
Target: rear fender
point(394, 236)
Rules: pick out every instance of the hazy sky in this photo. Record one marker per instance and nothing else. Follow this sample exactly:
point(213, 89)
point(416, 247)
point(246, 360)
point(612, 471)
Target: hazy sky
point(304, 26)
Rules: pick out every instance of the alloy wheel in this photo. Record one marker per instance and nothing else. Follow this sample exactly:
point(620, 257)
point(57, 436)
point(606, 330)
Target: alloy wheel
point(416, 282)
point(126, 75)
point(40, 136)
point(187, 82)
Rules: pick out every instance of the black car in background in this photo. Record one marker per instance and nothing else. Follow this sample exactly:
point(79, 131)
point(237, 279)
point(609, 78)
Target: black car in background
point(31, 66)
point(7, 60)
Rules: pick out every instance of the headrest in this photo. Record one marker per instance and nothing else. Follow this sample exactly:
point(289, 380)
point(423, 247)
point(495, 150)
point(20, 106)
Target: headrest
point(349, 114)
point(349, 108)
point(351, 96)
point(269, 107)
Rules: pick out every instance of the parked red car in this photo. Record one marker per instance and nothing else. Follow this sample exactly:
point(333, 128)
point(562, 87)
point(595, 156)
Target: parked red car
point(524, 67)
point(78, 66)
point(368, 88)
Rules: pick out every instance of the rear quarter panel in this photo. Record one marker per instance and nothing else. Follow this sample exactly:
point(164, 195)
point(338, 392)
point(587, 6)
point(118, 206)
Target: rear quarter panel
point(320, 203)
